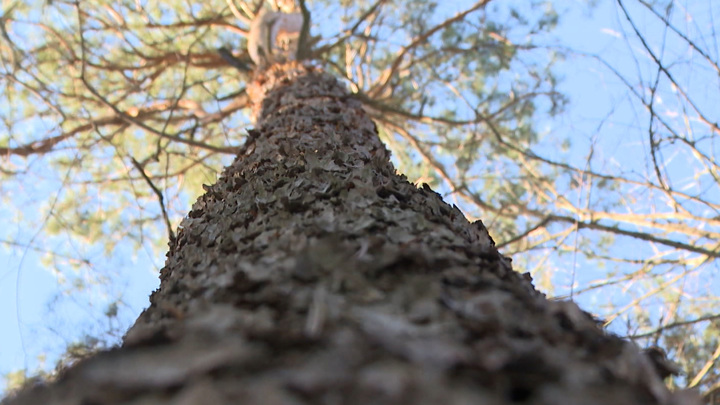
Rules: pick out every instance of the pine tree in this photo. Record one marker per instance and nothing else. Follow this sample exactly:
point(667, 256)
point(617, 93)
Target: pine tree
point(313, 273)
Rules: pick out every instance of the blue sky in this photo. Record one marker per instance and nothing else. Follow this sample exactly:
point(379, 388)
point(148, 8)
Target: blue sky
point(34, 322)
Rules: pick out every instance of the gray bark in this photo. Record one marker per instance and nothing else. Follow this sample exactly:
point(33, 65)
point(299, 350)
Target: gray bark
point(313, 273)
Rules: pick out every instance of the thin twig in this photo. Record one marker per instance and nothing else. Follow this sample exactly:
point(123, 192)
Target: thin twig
point(160, 197)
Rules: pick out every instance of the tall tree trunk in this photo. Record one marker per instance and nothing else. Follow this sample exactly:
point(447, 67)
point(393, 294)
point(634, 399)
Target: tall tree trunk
point(312, 273)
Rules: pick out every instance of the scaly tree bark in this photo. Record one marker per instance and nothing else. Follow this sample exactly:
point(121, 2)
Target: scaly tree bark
point(313, 273)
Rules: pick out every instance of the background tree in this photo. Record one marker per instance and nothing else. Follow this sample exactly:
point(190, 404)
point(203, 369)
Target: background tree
point(156, 111)
point(662, 62)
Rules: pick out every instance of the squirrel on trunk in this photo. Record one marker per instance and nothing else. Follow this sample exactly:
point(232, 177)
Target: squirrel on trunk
point(274, 34)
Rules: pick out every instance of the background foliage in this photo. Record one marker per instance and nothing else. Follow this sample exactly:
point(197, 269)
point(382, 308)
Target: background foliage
point(116, 112)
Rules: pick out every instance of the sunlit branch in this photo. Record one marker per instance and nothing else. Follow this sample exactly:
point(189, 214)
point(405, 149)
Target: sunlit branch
point(705, 368)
